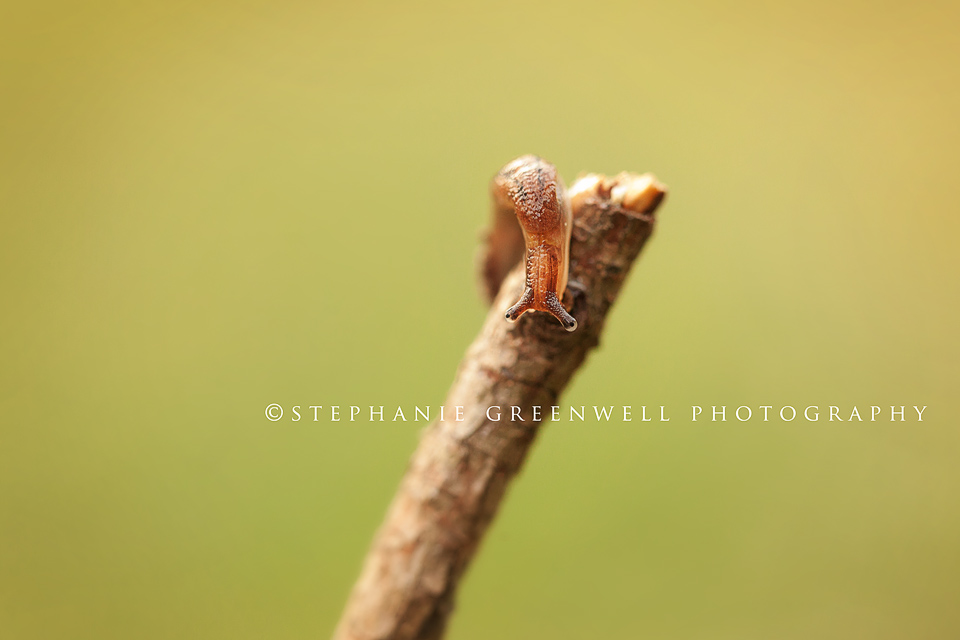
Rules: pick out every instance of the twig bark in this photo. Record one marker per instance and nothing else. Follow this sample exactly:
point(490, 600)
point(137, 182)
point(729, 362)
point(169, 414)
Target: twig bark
point(460, 471)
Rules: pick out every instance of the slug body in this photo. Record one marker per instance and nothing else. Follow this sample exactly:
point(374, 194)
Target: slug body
point(529, 191)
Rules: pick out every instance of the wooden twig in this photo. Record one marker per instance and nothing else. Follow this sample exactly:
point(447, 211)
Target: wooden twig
point(460, 471)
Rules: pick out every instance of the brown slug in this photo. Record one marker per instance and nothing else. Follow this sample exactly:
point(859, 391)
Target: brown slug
point(528, 190)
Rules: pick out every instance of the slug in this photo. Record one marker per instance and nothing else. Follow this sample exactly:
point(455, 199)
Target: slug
point(529, 191)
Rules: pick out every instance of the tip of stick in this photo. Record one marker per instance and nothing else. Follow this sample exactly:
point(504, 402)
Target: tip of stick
point(637, 193)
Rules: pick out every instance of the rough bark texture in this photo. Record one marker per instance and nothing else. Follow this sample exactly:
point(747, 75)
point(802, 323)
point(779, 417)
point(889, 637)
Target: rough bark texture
point(460, 471)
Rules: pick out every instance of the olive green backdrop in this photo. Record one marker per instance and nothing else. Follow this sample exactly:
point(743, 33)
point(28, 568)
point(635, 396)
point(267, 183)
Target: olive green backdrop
point(209, 207)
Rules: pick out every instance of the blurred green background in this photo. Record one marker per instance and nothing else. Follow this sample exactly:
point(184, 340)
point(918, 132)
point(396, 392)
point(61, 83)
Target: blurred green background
point(209, 207)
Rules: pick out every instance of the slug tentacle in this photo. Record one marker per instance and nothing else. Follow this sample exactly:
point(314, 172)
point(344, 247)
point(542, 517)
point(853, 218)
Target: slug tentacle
point(529, 193)
point(555, 307)
point(523, 305)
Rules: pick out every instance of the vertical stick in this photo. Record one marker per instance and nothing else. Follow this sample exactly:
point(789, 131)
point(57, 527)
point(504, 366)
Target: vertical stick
point(460, 471)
